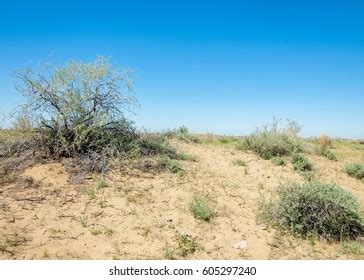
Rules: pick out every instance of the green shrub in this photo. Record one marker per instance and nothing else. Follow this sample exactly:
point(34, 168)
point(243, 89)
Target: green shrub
point(185, 156)
point(278, 161)
point(329, 154)
point(186, 245)
point(240, 162)
point(301, 163)
point(166, 163)
point(152, 145)
point(224, 140)
point(200, 209)
point(355, 170)
point(101, 184)
point(316, 208)
point(272, 140)
point(242, 145)
point(183, 134)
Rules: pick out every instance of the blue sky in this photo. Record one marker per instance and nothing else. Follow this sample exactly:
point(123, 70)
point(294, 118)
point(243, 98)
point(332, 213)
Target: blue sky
point(214, 66)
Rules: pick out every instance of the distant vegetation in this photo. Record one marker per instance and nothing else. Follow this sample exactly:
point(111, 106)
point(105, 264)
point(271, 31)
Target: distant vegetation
point(182, 133)
point(324, 146)
point(275, 140)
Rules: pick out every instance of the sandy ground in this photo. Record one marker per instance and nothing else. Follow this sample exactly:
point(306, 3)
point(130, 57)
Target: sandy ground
point(140, 215)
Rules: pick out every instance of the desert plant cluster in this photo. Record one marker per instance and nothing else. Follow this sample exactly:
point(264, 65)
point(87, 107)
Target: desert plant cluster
point(316, 208)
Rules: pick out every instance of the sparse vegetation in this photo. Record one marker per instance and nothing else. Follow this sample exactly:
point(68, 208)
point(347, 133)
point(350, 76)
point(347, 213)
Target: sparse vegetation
point(169, 254)
point(354, 248)
point(91, 193)
point(84, 220)
point(166, 163)
point(201, 209)
point(152, 145)
point(279, 161)
point(274, 140)
point(95, 231)
point(108, 231)
point(315, 208)
point(186, 156)
point(240, 162)
point(355, 170)
point(101, 184)
point(186, 245)
point(182, 133)
point(301, 163)
point(323, 148)
point(328, 154)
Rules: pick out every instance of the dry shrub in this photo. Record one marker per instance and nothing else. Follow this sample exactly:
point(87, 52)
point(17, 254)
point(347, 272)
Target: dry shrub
point(16, 155)
point(274, 140)
point(323, 148)
point(78, 111)
point(324, 142)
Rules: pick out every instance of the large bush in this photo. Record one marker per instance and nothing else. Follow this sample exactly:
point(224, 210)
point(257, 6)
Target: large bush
point(79, 110)
point(316, 208)
point(274, 140)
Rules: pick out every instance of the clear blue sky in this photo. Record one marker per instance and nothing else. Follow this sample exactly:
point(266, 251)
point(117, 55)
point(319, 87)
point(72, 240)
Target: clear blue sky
point(215, 66)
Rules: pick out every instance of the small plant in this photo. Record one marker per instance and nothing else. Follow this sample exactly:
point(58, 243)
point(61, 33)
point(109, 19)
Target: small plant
point(308, 175)
point(328, 154)
point(101, 184)
point(91, 193)
point(301, 163)
point(353, 247)
point(240, 162)
point(108, 231)
point(169, 254)
point(315, 208)
point(166, 163)
point(200, 209)
point(102, 202)
point(185, 156)
point(355, 170)
point(279, 161)
point(84, 220)
point(186, 245)
point(95, 231)
point(146, 231)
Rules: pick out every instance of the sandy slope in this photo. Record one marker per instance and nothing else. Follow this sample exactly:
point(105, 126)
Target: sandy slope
point(140, 215)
